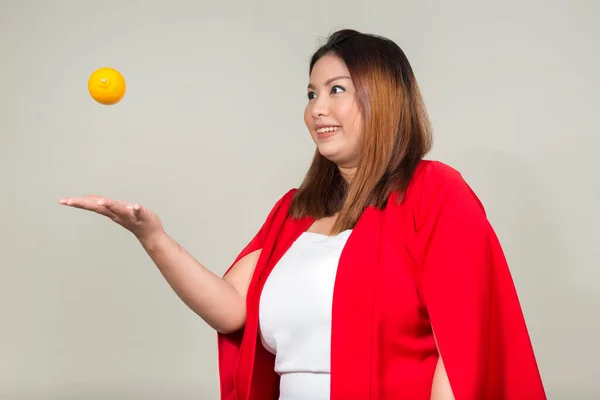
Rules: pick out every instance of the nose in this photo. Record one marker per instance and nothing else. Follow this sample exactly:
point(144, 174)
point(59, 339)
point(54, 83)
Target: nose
point(320, 108)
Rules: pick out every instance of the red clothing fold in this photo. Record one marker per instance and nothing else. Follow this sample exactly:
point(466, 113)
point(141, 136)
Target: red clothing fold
point(430, 263)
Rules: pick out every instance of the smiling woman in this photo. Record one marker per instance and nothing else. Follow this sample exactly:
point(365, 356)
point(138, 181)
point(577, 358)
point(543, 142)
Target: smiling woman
point(373, 253)
point(379, 278)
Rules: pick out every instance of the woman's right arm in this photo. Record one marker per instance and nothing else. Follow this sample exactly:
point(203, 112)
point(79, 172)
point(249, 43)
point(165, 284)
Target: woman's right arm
point(221, 302)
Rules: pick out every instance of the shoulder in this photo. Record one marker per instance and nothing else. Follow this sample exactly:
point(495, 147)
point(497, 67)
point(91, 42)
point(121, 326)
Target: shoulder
point(436, 186)
point(433, 174)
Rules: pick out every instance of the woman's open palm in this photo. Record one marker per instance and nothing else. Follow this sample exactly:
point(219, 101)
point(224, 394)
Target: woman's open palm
point(141, 221)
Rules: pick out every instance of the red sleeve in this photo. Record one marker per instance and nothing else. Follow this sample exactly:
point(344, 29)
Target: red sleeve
point(470, 295)
point(229, 345)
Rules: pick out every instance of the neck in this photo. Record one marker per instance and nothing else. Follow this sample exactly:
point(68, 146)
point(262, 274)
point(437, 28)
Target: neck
point(348, 173)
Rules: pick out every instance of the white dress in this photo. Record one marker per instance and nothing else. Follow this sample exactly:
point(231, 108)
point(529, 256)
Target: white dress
point(295, 315)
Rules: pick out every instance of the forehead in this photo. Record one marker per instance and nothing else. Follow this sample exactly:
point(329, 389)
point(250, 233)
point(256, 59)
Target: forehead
point(327, 67)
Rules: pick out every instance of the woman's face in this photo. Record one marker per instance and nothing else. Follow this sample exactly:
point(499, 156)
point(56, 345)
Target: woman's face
point(332, 114)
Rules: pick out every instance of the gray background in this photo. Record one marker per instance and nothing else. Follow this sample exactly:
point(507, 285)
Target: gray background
point(210, 134)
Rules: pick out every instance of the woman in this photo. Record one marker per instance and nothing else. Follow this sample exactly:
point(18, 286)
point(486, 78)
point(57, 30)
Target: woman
point(380, 277)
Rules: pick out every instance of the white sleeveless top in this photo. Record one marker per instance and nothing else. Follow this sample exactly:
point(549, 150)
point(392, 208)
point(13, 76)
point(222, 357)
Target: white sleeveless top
point(295, 315)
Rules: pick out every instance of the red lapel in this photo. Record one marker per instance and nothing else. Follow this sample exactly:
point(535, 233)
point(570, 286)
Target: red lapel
point(353, 361)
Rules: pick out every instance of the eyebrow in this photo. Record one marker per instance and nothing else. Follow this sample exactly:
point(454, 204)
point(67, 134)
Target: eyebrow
point(328, 81)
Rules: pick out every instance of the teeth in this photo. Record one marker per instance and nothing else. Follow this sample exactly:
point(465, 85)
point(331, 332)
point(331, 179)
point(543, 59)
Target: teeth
point(328, 129)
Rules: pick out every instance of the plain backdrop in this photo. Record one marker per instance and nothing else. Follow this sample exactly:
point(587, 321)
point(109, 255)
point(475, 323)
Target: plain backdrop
point(210, 134)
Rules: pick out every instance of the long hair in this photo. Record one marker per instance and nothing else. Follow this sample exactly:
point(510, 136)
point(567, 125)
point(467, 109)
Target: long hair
point(397, 132)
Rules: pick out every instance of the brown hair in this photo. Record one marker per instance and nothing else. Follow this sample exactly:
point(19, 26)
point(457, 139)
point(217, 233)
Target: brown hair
point(397, 132)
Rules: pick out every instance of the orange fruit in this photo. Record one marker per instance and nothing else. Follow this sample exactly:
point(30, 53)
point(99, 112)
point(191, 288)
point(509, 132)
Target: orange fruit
point(107, 86)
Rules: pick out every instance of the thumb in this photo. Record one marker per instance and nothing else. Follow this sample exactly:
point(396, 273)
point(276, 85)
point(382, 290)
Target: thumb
point(138, 210)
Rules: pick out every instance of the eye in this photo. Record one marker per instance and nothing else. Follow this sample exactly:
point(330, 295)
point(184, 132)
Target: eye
point(337, 89)
point(311, 95)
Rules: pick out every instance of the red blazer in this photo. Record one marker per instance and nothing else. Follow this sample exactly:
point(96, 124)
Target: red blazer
point(431, 262)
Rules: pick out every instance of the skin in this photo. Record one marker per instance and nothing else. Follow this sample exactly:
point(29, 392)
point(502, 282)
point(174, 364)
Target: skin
point(221, 302)
point(331, 102)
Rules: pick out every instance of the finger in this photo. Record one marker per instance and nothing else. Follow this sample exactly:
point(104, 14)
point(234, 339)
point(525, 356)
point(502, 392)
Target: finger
point(138, 210)
point(87, 200)
point(114, 206)
point(125, 210)
point(92, 206)
point(81, 202)
point(107, 213)
point(117, 210)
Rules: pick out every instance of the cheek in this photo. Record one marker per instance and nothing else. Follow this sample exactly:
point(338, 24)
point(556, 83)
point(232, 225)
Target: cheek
point(307, 117)
point(308, 121)
point(359, 127)
point(353, 121)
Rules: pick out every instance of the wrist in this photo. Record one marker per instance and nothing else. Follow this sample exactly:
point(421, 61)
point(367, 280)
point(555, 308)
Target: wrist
point(154, 240)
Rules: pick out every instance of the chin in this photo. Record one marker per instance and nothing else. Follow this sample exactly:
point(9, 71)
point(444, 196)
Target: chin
point(335, 158)
point(340, 159)
point(330, 154)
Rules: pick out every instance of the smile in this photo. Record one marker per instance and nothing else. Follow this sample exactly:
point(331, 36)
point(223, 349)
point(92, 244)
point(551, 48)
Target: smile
point(328, 129)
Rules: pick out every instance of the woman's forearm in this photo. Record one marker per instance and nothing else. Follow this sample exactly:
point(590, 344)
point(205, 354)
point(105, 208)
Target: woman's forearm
point(216, 301)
